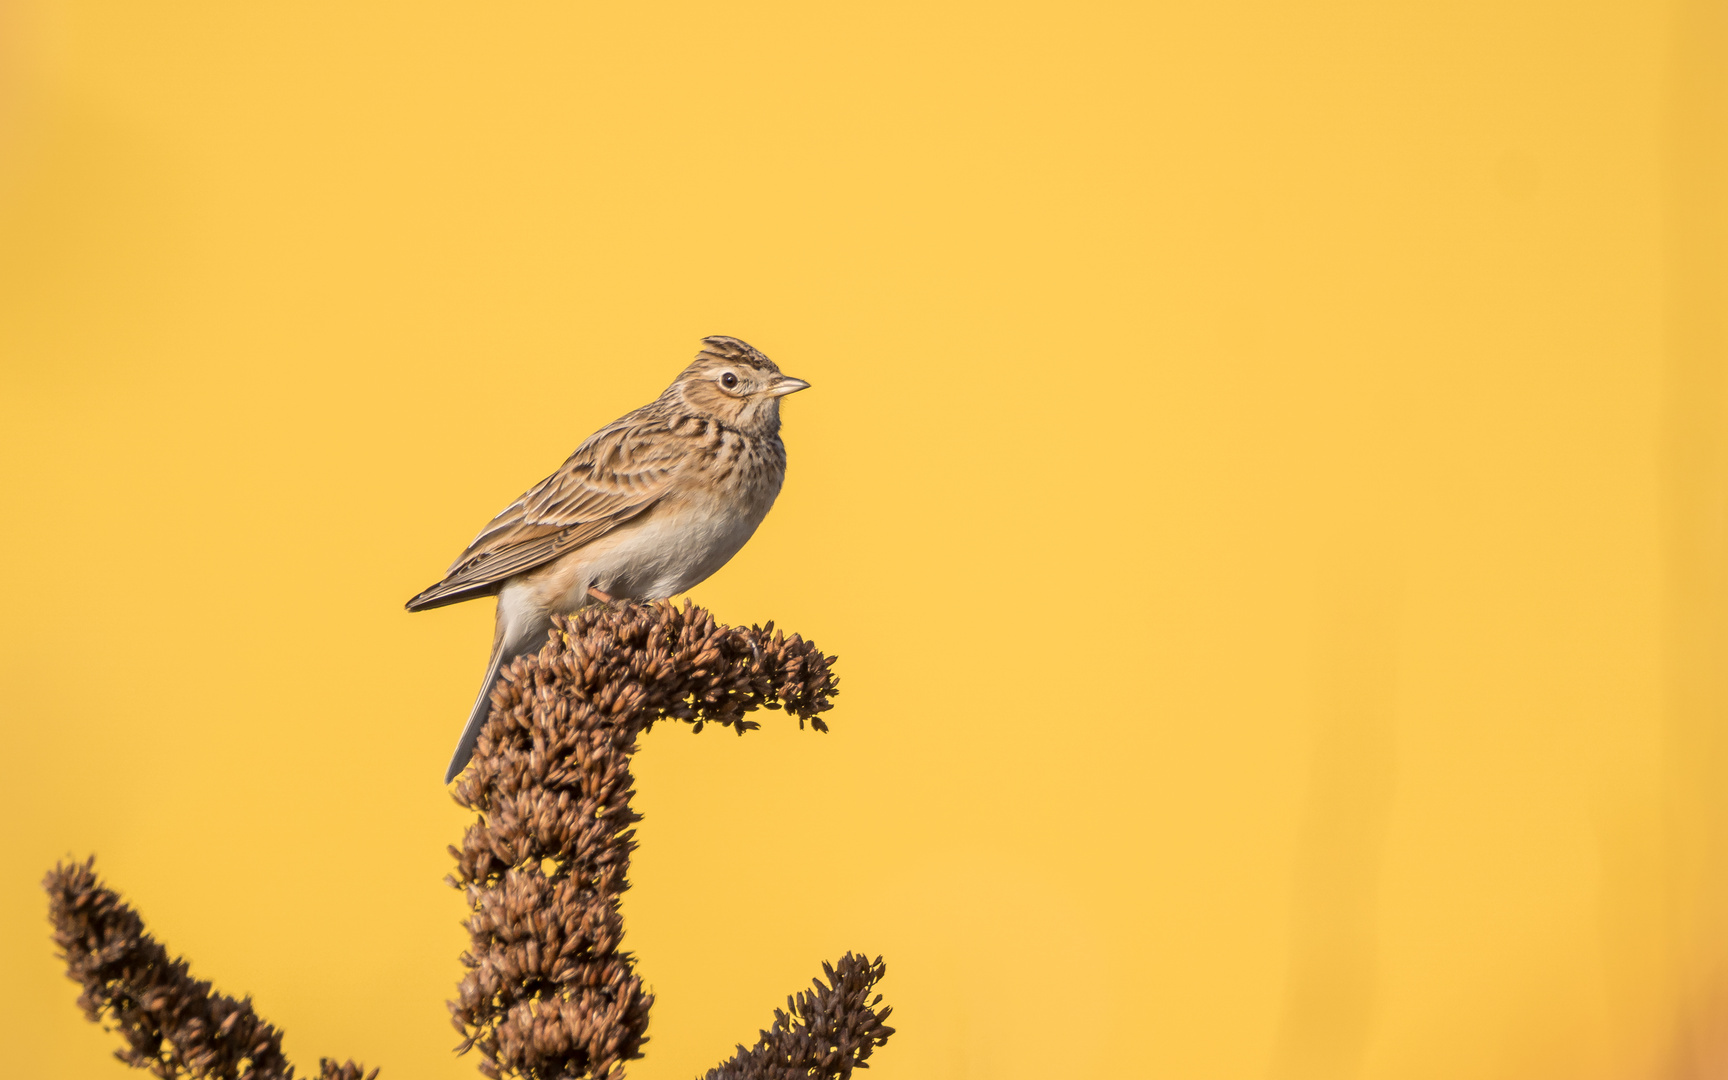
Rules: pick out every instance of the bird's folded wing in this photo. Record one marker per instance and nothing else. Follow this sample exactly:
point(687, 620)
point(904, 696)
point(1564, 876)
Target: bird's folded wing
point(621, 470)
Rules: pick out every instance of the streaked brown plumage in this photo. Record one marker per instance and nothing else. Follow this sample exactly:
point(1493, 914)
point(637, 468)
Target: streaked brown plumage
point(648, 506)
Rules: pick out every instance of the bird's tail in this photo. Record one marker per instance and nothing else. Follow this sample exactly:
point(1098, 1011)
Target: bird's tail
point(477, 716)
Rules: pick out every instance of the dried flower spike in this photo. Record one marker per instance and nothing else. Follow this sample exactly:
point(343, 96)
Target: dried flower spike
point(550, 992)
point(174, 1025)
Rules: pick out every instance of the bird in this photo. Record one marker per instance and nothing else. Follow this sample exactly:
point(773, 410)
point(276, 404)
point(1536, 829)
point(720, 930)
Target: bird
point(647, 507)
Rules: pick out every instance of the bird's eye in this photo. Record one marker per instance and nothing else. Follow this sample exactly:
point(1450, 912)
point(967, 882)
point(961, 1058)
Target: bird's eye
point(728, 380)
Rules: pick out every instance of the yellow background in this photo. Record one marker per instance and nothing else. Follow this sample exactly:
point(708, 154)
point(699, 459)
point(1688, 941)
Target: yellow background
point(1266, 479)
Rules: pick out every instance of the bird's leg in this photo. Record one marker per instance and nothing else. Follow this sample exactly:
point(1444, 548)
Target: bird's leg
point(594, 591)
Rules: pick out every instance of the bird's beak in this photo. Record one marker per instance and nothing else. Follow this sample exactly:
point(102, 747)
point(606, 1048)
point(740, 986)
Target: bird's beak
point(787, 385)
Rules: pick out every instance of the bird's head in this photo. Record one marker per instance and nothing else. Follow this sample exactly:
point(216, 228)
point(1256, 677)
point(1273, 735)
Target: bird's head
point(734, 384)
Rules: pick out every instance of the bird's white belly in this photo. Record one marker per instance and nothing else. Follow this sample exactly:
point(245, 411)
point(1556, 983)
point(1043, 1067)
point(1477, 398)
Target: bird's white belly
point(667, 550)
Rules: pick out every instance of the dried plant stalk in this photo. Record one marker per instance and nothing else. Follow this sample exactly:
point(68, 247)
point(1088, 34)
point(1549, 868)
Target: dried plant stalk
point(825, 1032)
point(174, 1025)
point(550, 992)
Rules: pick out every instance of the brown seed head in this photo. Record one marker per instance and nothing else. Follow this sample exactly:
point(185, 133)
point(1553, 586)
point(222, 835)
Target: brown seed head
point(550, 992)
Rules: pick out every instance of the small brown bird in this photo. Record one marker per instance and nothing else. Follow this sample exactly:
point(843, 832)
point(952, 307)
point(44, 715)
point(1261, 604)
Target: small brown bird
point(650, 505)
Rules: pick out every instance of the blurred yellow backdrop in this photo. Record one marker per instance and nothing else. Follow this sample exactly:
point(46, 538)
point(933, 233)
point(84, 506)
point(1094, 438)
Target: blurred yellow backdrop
point(1265, 480)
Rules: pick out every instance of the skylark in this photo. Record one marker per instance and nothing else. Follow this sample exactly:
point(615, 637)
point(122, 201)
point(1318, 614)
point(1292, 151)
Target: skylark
point(650, 505)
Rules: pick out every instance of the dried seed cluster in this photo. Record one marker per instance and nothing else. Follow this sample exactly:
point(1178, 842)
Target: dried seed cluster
point(174, 1025)
point(830, 1031)
point(550, 992)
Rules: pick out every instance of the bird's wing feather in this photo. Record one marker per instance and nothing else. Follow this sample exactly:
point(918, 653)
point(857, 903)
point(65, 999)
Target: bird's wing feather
point(620, 471)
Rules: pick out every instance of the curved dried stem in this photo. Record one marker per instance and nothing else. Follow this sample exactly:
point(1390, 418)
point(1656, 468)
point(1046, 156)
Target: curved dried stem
point(550, 991)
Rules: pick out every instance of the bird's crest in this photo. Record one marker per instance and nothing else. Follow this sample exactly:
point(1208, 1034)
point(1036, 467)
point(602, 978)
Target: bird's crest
point(730, 348)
